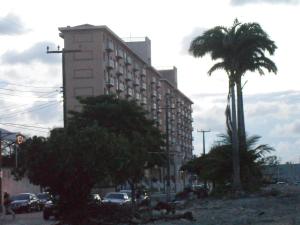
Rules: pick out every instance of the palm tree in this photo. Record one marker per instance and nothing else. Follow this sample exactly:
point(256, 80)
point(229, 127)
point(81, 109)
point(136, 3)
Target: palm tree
point(239, 49)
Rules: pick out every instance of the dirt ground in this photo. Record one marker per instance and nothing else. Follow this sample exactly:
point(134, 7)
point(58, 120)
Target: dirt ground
point(274, 205)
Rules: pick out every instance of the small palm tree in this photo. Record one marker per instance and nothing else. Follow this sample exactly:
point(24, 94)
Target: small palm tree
point(239, 49)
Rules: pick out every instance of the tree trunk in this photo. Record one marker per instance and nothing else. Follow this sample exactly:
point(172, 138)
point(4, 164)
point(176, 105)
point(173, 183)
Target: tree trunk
point(235, 144)
point(241, 119)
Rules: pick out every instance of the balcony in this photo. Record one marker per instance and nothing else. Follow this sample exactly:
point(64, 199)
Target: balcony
point(110, 82)
point(154, 93)
point(159, 84)
point(138, 96)
point(129, 76)
point(154, 107)
point(110, 46)
point(153, 80)
point(143, 72)
point(128, 60)
point(110, 64)
point(120, 87)
point(120, 54)
point(129, 92)
point(159, 97)
point(120, 71)
point(143, 87)
point(136, 82)
point(144, 101)
point(136, 67)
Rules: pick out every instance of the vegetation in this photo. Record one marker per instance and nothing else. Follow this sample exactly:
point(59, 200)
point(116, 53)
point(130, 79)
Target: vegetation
point(239, 49)
point(216, 166)
point(109, 140)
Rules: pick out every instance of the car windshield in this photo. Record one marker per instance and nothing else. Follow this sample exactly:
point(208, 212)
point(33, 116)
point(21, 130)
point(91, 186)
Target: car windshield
point(20, 197)
point(115, 196)
point(43, 196)
point(127, 192)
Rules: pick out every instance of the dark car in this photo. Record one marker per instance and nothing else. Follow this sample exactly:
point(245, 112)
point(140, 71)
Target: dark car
point(43, 198)
point(50, 208)
point(25, 202)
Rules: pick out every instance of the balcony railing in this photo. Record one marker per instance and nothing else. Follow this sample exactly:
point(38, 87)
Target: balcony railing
point(110, 64)
point(110, 46)
point(144, 101)
point(143, 87)
point(120, 54)
point(120, 87)
point(129, 76)
point(136, 82)
point(128, 60)
point(110, 82)
point(120, 71)
point(143, 72)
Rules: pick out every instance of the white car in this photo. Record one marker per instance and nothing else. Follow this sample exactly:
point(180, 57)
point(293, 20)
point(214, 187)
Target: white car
point(116, 198)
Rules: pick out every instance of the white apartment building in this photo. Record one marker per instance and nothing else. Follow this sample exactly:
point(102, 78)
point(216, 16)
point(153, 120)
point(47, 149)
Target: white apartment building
point(106, 64)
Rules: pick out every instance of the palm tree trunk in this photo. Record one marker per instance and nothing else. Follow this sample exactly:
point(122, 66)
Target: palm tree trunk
point(235, 143)
point(241, 119)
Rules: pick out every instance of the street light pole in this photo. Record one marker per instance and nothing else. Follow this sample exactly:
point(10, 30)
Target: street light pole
point(63, 52)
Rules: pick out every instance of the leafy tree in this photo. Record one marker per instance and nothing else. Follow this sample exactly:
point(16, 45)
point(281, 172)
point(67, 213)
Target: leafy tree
point(128, 120)
point(70, 165)
point(239, 48)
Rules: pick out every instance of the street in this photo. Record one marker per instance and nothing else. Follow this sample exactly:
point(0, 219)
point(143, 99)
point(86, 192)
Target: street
point(25, 219)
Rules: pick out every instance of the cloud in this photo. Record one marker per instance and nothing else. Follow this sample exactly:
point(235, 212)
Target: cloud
point(243, 2)
point(11, 25)
point(186, 41)
point(37, 53)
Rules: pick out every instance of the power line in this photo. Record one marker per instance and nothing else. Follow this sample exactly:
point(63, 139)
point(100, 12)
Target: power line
point(16, 95)
point(14, 107)
point(23, 112)
point(15, 90)
point(25, 125)
point(22, 85)
point(26, 128)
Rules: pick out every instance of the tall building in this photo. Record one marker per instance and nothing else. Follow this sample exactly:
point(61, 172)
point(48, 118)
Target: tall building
point(106, 64)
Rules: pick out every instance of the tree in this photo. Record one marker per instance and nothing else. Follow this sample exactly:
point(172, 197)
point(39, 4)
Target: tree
point(128, 120)
point(69, 165)
point(239, 48)
point(109, 140)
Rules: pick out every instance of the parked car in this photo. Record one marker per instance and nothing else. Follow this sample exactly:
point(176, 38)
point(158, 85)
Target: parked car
point(43, 198)
point(25, 202)
point(51, 210)
point(117, 198)
point(141, 197)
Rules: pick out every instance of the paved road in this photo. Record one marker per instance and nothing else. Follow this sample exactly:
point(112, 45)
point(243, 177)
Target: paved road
point(25, 219)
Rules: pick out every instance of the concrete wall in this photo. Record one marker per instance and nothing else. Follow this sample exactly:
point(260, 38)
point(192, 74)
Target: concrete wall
point(15, 187)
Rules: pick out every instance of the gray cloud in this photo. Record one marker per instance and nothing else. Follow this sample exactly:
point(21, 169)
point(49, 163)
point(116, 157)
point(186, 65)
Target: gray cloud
point(244, 2)
point(11, 25)
point(37, 53)
point(186, 41)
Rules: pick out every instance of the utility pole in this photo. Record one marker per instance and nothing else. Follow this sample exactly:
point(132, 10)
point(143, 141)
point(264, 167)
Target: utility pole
point(203, 138)
point(63, 52)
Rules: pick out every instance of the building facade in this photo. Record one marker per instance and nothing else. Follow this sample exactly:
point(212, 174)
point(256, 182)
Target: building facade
point(105, 64)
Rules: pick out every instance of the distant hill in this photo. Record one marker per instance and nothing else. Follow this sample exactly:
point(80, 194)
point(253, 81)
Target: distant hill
point(7, 135)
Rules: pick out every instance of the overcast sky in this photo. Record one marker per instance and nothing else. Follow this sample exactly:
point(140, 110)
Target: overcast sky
point(30, 79)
